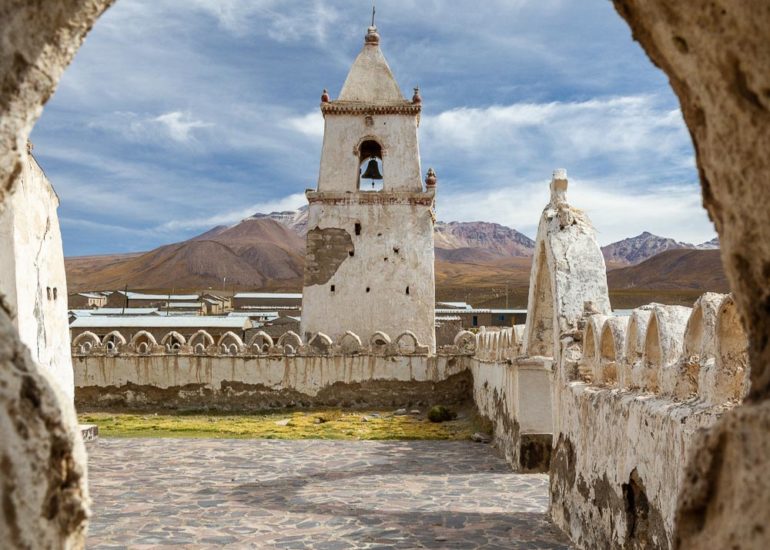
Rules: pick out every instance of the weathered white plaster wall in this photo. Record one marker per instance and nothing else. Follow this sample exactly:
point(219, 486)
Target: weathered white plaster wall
point(568, 273)
point(32, 276)
point(305, 374)
point(396, 134)
point(262, 374)
point(393, 251)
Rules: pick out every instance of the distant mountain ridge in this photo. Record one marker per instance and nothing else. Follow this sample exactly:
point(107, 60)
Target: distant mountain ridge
point(635, 250)
point(266, 251)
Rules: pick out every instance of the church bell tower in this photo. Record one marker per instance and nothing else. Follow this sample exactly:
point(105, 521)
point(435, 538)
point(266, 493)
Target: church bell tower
point(369, 261)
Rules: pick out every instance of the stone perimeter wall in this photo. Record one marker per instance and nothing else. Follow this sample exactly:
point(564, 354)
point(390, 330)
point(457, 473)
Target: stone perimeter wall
point(262, 374)
point(514, 392)
point(634, 395)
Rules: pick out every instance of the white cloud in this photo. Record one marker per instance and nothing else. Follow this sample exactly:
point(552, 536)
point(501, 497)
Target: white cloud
point(291, 202)
point(179, 125)
point(629, 124)
point(310, 125)
point(616, 212)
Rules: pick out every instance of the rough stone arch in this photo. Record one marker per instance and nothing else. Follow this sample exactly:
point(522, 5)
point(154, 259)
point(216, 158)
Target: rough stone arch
point(291, 339)
point(350, 343)
point(699, 336)
point(85, 342)
point(589, 363)
point(201, 338)
point(230, 343)
point(663, 347)
point(173, 341)
point(379, 340)
point(465, 341)
point(320, 342)
point(112, 341)
point(143, 342)
point(407, 343)
point(732, 374)
point(611, 349)
point(260, 341)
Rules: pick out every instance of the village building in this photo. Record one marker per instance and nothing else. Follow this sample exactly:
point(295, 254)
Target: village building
point(267, 301)
point(369, 260)
point(122, 298)
point(214, 304)
point(86, 300)
point(471, 317)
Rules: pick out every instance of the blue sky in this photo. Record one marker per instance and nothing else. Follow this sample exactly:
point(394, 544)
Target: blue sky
point(180, 115)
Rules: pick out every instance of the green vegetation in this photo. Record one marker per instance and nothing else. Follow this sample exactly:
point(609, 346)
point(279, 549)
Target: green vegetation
point(439, 413)
point(324, 424)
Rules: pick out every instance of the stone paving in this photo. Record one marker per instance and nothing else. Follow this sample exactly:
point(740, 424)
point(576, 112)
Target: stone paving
point(198, 493)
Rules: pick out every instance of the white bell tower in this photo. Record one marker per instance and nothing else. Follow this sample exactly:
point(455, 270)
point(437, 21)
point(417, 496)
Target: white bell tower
point(369, 263)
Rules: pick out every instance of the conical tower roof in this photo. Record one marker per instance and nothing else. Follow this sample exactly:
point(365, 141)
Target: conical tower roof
point(370, 79)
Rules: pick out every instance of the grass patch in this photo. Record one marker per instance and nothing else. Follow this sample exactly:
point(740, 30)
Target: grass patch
point(320, 424)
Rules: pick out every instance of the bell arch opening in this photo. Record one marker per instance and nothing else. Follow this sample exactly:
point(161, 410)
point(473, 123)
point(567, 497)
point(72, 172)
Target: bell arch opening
point(370, 166)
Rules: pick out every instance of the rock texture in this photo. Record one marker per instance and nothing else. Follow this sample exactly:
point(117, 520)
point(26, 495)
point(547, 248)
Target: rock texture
point(43, 485)
point(716, 57)
point(637, 249)
point(42, 476)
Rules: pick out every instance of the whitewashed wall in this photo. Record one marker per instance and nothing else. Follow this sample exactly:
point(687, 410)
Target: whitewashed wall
point(32, 277)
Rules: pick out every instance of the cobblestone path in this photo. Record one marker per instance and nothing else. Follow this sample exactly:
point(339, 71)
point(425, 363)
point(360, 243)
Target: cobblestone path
point(197, 493)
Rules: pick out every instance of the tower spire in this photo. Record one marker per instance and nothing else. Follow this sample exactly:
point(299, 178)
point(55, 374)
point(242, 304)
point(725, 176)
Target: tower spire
point(372, 37)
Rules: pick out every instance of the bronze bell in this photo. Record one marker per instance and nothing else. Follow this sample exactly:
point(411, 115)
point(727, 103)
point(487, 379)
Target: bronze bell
point(372, 171)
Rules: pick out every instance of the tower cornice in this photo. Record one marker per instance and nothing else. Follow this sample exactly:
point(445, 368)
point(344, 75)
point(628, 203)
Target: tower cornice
point(340, 107)
point(419, 198)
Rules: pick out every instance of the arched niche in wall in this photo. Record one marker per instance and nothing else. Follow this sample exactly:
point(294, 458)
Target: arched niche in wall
point(371, 169)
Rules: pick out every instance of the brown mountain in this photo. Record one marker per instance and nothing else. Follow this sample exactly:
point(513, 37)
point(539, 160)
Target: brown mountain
point(256, 253)
point(699, 270)
point(483, 263)
point(462, 241)
point(634, 250)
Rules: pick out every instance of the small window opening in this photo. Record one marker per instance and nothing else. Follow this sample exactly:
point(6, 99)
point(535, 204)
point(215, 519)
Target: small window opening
point(367, 289)
point(407, 291)
point(475, 321)
point(351, 253)
point(48, 292)
point(332, 287)
point(358, 228)
point(55, 293)
point(379, 234)
point(384, 259)
point(396, 249)
point(370, 166)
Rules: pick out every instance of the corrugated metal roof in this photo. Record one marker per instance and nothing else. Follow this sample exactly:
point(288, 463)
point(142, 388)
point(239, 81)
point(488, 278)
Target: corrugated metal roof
point(151, 321)
point(266, 308)
point(115, 311)
point(195, 305)
point(90, 295)
point(456, 305)
point(174, 297)
point(268, 296)
point(464, 311)
point(253, 314)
